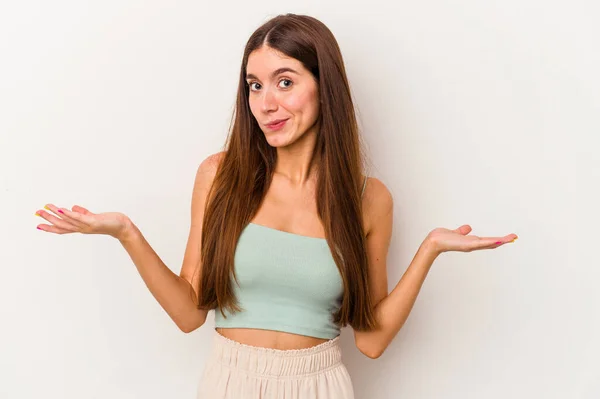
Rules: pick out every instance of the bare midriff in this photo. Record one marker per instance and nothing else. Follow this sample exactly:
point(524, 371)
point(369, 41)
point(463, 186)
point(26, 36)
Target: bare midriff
point(270, 339)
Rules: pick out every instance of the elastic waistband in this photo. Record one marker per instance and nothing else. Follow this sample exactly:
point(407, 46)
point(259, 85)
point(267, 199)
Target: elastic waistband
point(268, 362)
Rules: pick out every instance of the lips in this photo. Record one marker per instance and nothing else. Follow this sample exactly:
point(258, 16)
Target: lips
point(275, 122)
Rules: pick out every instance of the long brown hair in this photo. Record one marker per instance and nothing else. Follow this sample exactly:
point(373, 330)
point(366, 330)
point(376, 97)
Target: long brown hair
point(246, 170)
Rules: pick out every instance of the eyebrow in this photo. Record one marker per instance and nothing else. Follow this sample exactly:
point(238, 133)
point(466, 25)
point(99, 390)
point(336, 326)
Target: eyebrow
point(275, 73)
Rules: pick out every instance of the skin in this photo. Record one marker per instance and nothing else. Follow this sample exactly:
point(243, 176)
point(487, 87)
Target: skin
point(292, 95)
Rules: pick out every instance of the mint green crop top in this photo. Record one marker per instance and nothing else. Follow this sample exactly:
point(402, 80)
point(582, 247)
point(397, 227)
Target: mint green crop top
point(287, 282)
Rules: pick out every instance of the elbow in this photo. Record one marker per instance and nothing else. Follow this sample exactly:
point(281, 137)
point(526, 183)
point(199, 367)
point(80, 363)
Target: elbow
point(187, 326)
point(370, 351)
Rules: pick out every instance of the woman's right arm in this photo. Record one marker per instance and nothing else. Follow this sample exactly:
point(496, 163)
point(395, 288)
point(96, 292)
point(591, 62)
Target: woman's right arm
point(176, 293)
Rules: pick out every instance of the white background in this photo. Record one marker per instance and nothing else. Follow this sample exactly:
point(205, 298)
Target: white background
point(485, 113)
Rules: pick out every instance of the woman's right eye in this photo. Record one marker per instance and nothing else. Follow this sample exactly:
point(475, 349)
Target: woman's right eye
point(253, 83)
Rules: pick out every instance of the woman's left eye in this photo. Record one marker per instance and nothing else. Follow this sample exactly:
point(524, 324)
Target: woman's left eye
point(286, 80)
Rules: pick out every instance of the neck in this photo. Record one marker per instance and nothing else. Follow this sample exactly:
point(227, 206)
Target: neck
point(294, 162)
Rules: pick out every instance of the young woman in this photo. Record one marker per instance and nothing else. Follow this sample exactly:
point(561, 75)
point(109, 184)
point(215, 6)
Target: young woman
point(288, 239)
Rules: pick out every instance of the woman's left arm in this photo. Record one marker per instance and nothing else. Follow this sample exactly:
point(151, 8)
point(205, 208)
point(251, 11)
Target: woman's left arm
point(392, 310)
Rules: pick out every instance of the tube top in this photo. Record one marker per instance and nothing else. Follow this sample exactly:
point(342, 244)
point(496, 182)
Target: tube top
point(287, 282)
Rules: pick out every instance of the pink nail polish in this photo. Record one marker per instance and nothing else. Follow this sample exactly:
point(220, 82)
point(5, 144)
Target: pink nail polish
point(498, 242)
point(60, 211)
point(38, 228)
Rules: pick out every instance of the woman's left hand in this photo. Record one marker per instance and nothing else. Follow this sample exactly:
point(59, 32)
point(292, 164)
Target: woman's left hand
point(445, 240)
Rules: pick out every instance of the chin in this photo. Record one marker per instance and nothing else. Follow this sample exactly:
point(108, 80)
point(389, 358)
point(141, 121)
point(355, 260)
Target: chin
point(277, 139)
point(278, 142)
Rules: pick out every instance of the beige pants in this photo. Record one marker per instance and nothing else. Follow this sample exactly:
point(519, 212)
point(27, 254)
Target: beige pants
point(238, 371)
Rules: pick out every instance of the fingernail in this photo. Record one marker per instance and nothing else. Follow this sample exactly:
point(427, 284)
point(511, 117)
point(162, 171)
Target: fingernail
point(514, 239)
point(46, 207)
point(60, 211)
point(498, 242)
point(38, 227)
point(37, 213)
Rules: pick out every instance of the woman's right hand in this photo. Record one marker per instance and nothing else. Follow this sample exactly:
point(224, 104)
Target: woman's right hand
point(81, 220)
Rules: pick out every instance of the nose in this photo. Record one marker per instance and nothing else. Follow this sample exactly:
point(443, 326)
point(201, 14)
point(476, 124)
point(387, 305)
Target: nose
point(269, 101)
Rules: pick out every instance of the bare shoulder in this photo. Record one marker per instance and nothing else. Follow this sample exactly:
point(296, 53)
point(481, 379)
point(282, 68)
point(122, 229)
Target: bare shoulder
point(206, 173)
point(202, 183)
point(205, 176)
point(378, 202)
point(211, 163)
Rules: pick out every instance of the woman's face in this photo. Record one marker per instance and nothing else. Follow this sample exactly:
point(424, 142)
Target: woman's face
point(282, 89)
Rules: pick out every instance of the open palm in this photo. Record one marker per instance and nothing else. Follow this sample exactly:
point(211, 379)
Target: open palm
point(81, 220)
point(446, 240)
